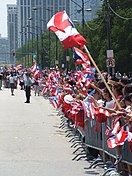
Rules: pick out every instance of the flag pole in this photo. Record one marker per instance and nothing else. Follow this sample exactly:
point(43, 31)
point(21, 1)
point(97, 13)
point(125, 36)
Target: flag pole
point(93, 62)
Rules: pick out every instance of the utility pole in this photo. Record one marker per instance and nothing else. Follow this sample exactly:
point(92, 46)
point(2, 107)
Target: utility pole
point(28, 44)
point(108, 25)
point(22, 48)
point(56, 48)
point(42, 44)
point(25, 48)
point(32, 50)
point(83, 22)
point(37, 48)
point(110, 55)
point(49, 48)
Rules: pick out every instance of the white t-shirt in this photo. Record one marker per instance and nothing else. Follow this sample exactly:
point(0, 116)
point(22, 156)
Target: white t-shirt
point(110, 104)
point(100, 102)
point(11, 79)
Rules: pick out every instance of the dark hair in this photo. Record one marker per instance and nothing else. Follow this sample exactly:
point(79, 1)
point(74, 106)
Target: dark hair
point(118, 88)
point(128, 97)
point(128, 89)
point(114, 79)
point(124, 81)
point(106, 91)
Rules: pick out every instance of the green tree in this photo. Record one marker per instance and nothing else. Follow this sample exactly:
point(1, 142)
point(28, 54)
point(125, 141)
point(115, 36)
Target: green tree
point(121, 35)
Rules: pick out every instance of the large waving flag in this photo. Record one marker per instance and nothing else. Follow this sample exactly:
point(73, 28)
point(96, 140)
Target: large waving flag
point(80, 57)
point(65, 30)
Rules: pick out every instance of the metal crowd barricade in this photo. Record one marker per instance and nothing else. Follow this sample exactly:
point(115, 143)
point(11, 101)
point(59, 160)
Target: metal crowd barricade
point(94, 140)
point(127, 155)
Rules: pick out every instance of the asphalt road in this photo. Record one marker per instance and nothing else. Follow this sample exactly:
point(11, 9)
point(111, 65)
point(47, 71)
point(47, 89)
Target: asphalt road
point(31, 143)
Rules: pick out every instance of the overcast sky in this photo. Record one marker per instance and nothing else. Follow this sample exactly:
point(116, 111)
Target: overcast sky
point(3, 16)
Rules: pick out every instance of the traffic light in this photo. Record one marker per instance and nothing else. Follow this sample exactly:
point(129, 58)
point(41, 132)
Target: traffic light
point(14, 53)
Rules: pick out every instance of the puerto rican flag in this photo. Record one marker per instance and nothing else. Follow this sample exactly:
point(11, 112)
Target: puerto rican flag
point(37, 71)
point(75, 108)
point(19, 67)
point(65, 30)
point(45, 89)
point(100, 110)
point(108, 131)
point(33, 68)
point(85, 106)
point(80, 57)
point(117, 136)
point(117, 139)
point(54, 101)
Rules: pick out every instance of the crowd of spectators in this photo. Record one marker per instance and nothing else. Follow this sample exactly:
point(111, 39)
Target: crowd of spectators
point(72, 91)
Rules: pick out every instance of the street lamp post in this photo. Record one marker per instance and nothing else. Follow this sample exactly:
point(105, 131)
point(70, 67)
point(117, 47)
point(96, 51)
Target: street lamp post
point(49, 47)
point(81, 10)
point(32, 50)
point(22, 52)
point(28, 45)
point(41, 34)
point(83, 17)
point(36, 25)
point(21, 33)
point(56, 48)
point(42, 46)
point(49, 38)
point(36, 39)
point(110, 58)
point(25, 45)
point(37, 47)
point(32, 38)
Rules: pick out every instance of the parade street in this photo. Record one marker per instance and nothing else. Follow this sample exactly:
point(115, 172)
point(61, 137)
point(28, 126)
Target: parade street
point(31, 142)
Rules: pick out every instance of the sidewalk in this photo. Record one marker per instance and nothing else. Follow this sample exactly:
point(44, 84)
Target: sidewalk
point(31, 143)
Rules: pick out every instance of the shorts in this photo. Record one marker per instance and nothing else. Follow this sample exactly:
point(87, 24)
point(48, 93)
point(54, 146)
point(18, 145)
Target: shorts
point(12, 85)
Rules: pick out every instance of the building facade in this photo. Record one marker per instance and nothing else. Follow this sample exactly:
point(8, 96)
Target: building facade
point(4, 51)
point(12, 30)
point(33, 16)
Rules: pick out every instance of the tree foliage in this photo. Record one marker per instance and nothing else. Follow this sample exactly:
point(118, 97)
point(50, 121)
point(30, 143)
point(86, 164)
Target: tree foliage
point(121, 35)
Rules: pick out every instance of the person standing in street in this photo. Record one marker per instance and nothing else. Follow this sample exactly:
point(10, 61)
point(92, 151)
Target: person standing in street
point(28, 82)
point(12, 83)
point(1, 76)
point(36, 86)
